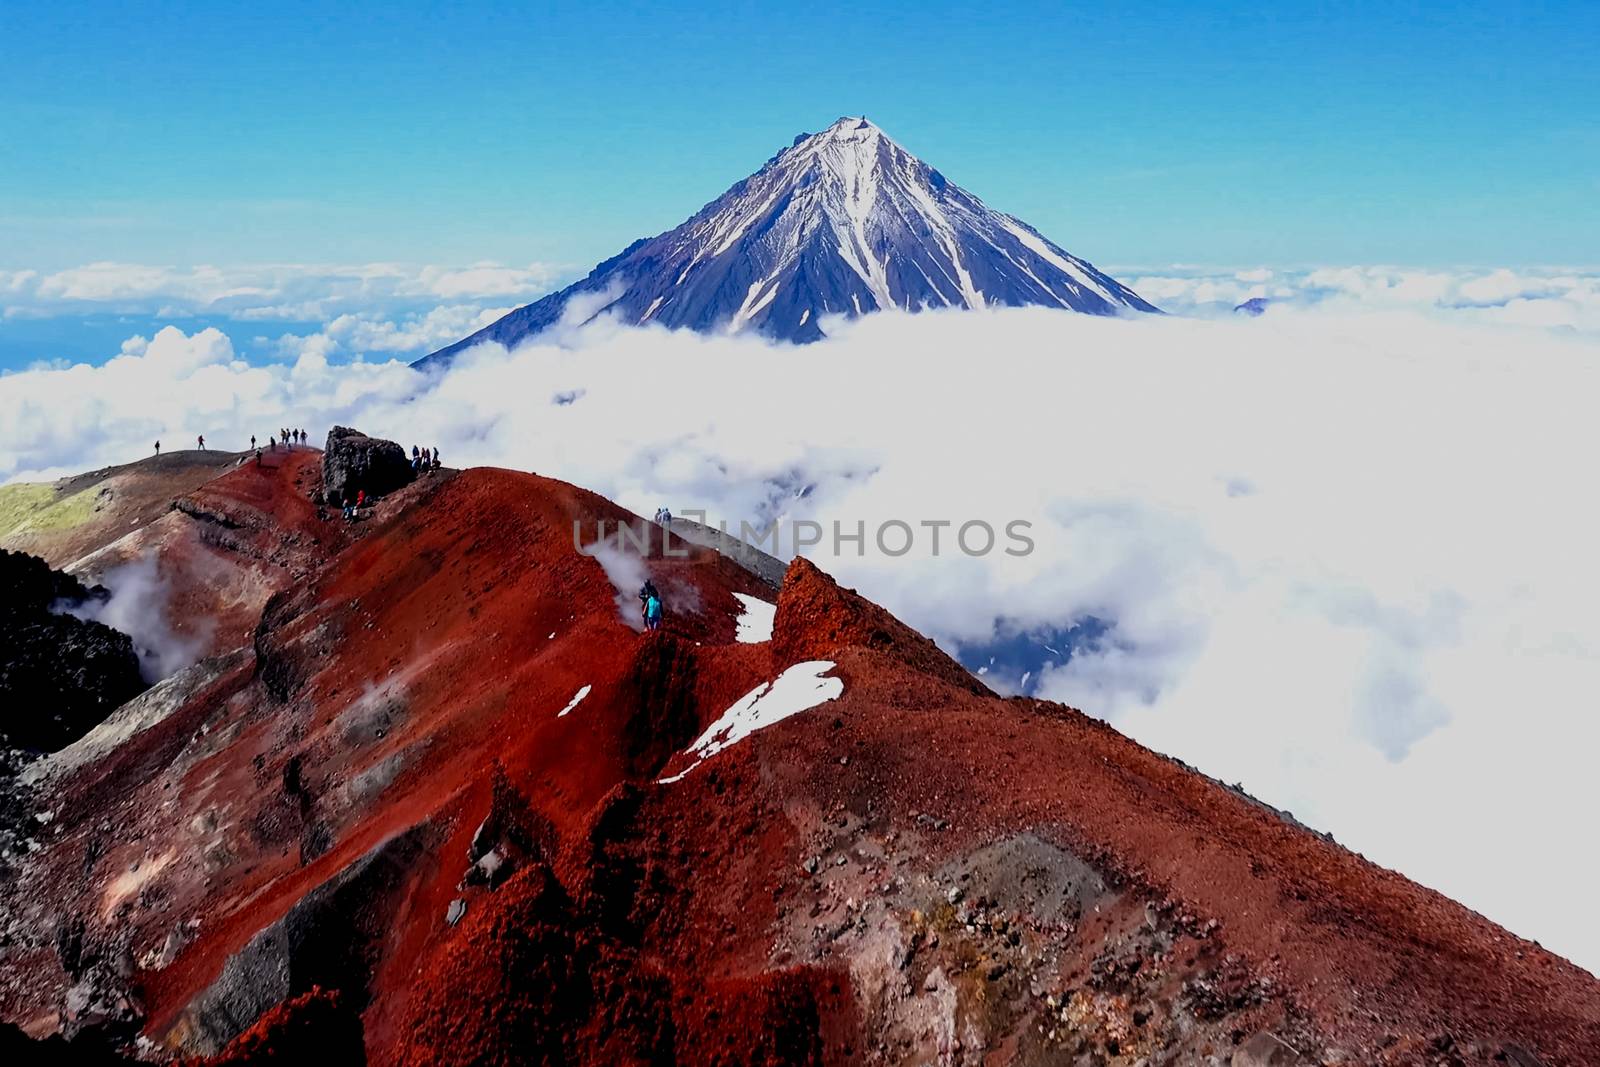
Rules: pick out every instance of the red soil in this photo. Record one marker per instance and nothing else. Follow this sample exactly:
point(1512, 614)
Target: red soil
point(227, 532)
point(315, 1027)
point(126, 499)
point(917, 871)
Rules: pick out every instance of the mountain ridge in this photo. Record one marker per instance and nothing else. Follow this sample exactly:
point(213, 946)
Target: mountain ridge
point(444, 799)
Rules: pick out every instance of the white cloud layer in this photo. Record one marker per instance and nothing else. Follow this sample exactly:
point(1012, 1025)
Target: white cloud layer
point(1549, 296)
point(281, 292)
point(1347, 557)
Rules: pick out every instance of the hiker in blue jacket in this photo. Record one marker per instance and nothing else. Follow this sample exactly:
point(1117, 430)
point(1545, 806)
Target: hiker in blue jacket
point(652, 613)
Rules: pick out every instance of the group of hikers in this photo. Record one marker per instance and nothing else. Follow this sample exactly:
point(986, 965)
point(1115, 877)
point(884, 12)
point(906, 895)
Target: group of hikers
point(424, 460)
point(285, 436)
point(427, 459)
point(288, 438)
point(353, 505)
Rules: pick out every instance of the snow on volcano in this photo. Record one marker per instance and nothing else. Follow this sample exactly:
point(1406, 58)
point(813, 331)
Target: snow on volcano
point(842, 222)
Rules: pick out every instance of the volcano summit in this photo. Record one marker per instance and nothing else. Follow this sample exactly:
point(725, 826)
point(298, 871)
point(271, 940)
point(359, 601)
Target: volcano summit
point(842, 222)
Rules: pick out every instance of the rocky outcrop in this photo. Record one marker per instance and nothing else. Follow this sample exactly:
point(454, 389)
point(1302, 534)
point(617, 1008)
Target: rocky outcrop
point(326, 941)
point(59, 675)
point(352, 462)
point(318, 1026)
point(20, 1050)
point(816, 618)
point(768, 568)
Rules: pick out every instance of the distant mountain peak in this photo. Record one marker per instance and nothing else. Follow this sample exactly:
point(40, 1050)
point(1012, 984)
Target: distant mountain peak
point(840, 223)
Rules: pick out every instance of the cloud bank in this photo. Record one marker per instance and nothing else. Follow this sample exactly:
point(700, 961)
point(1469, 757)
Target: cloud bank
point(1344, 557)
point(1550, 297)
point(273, 292)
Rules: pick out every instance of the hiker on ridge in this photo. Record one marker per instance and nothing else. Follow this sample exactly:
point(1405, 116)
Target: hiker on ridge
point(158, 448)
point(202, 440)
point(647, 593)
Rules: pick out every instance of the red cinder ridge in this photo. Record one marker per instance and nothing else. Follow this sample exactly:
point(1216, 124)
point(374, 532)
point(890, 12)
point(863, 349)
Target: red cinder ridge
point(442, 794)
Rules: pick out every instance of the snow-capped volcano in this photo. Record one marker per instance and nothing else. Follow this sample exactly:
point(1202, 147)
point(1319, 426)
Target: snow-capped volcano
point(841, 222)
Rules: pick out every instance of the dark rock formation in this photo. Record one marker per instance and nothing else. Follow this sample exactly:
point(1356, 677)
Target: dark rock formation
point(28, 585)
point(19, 1050)
point(353, 462)
point(318, 1026)
point(59, 675)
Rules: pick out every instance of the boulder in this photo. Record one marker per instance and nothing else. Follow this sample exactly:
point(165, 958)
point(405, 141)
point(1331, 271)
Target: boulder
point(352, 462)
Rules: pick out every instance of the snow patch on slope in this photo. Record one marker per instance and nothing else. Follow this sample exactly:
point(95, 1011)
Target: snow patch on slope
point(755, 620)
point(797, 689)
point(1039, 248)
point(575, 701)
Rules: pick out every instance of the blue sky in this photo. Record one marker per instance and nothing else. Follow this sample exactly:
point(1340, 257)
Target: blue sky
point(1132, 134)
point(269, 210)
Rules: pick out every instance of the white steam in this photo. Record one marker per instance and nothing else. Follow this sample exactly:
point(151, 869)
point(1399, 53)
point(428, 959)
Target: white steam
point(1343, 557)
point(138, 607)
point(627, 571)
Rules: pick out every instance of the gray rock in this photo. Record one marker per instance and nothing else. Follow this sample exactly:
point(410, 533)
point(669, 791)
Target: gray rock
point(353, 462)
point(457, 909)
point(1266, 1050)
point(324, 939)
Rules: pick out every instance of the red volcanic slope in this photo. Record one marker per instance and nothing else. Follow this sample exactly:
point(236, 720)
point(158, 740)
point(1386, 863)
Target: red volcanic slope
point(381, 797)
point(125, 498)
point(224, 542)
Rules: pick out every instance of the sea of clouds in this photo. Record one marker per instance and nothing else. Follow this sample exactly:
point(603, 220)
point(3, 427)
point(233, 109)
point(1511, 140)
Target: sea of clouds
point(265, 293)
point(1342, 553)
